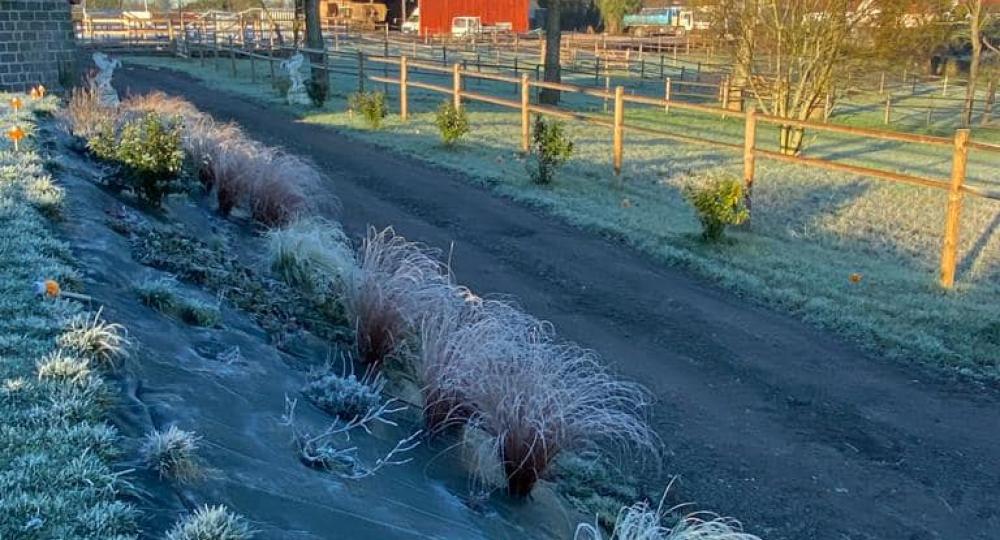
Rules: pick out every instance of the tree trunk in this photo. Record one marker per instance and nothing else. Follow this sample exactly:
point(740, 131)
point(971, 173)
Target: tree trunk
point(975, 22)
point(553, 43)
point(790, 140)
point(314, 40)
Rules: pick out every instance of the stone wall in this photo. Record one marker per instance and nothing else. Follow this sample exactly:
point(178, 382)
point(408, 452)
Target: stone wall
point(36, 42)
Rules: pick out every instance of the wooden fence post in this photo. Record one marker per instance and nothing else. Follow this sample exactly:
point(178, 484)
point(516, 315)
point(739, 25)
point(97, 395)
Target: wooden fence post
point(456, 85)
point(666, 95)
point(525, 113)
point(949, 248)
point(361, 71)
point(991, 98)
point(404, 108)
point(270, 60)
point(944, 87)
point(619, 128)
point(749, 157)
point(888, 109)
point(232, 55)
point(881, 84)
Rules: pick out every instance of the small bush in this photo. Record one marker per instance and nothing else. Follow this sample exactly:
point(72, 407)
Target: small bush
point(96, 339)
point(159, 294)
point(317, 92)
point(232, 166)
point(551, 148)
point(388, 292)
point(171, 454)
point(199, 313)
point(211, 523)
point(203, 139)
point(280, 187)
point(102, 140)
point(347, 397)
point(719, 203)
point(84, 115)
point(150, 149)
point(453, 123)
point(371, 105)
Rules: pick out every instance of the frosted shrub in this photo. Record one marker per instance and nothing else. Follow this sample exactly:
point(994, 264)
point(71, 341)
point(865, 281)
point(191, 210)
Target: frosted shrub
point(171, 454)
point(211, 523)
point(719, 204)
point(642, 521)
point(346, 397)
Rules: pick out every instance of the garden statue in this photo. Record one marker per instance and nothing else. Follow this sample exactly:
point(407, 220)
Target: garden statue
point(297, 94)
point(102, 81)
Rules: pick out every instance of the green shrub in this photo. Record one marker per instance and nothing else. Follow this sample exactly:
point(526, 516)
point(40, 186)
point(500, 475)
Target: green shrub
point(551, 148)
point(452, 122)
point(150, 150)
point(719, 203)
point(103, 142)
point(371, 105)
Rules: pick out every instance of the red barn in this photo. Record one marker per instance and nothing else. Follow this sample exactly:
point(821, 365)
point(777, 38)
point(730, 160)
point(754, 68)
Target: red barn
point(436, 15)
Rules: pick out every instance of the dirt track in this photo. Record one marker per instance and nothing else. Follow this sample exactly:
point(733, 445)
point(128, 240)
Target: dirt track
point(763, 418)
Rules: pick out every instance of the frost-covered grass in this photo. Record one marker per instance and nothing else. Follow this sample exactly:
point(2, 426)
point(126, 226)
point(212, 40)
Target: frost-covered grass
point(812, 230)
point(642, 521)
point(173, 454)
point(56, 450)
point(211, 523)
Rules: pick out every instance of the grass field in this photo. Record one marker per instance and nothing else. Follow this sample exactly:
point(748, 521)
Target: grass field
point(812, 229)
point(56, 451)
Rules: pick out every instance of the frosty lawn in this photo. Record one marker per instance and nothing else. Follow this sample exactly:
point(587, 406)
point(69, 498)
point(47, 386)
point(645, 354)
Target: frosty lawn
point(811, 229)
point(56, 480)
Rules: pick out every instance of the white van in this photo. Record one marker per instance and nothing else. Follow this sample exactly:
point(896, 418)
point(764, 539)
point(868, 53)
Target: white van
point(466, 26)
point(412, 23)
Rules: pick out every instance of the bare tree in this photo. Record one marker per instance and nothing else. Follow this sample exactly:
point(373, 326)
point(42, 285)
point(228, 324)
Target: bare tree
point(978, 13)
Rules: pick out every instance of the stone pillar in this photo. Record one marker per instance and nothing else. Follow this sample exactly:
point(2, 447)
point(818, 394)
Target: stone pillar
point(36, 43)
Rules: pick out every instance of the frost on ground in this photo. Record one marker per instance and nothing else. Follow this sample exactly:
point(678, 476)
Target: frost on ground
point(56, 450)
point(850, 254)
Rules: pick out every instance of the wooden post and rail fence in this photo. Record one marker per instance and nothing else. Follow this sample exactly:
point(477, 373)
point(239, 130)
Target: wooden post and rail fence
point(960, 145)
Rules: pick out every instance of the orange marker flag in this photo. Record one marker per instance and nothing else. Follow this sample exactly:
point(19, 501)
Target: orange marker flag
point(15, 134)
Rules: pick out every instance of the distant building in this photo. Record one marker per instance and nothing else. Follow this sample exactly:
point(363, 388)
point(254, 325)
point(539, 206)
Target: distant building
point(436, 16)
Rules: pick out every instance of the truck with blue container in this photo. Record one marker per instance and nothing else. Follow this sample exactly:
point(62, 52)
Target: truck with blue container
point(668, 21)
